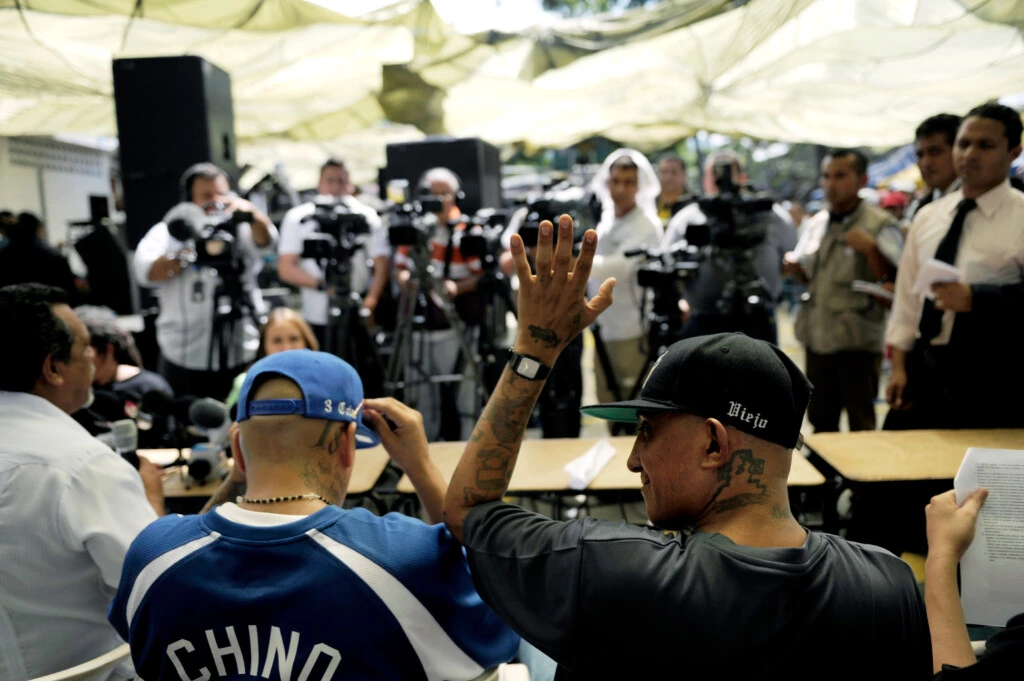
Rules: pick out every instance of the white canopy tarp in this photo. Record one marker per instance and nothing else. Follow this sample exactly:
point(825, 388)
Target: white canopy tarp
point(844, 72)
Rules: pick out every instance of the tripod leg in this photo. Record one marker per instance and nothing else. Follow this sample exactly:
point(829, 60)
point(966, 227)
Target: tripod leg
point(403, 330)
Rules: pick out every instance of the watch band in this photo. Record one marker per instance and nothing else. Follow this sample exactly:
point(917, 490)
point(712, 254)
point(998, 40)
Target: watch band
point(530, 368)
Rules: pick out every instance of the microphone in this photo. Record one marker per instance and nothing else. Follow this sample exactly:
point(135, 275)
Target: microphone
point(185, 221)
point(211, 416)
point(126, 440)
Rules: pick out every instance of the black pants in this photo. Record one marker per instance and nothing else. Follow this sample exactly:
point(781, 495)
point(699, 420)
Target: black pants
point(215, 384)
point(843, 380)
point(559, 404)
point(950, 389)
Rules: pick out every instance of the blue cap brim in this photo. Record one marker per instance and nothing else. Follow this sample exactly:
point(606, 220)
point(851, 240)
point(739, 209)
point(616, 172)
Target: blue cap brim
point(365, 438)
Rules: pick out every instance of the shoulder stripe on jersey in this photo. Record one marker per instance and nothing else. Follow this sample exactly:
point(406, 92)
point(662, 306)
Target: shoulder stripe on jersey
point(149, 574)
point(440, 656)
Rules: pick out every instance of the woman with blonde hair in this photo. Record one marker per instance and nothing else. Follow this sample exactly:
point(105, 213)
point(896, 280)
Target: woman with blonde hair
point(285, 330)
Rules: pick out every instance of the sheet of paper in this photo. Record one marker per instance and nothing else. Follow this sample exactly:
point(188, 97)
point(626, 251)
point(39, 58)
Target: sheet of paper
point(992, 570)
point(871, 288)
point(933, 272)
point(583, 469)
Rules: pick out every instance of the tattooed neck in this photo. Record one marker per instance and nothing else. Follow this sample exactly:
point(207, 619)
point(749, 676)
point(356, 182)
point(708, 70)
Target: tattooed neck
point(744, 469)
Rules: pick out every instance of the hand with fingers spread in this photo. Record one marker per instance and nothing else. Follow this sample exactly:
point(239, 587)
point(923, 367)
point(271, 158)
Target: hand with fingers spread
point(552, 311)
point(552, 305)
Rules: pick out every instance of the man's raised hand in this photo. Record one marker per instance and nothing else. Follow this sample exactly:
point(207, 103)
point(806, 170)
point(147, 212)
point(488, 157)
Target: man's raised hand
point(552, 303)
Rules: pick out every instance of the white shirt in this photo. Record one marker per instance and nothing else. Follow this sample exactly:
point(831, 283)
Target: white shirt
point(615, 236)
point(991, 251)
point(184, 327)
point(69, 508)
point(295, 229)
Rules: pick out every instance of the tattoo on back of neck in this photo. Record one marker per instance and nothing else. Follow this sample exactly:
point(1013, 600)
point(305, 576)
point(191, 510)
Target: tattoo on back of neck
point(742, 462)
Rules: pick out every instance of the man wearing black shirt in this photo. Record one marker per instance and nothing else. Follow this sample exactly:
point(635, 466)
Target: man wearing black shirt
point(750, 592)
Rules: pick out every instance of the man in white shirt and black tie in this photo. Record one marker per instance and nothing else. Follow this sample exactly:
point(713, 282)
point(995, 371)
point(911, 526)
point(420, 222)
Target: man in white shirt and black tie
point(956, 357)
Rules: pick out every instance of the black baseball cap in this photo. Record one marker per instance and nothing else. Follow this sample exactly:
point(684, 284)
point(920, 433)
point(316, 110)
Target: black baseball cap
point(743, 382)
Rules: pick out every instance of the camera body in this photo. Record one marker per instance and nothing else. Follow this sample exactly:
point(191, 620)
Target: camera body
point(215, 235)
point(482, 238)
point(577, 202)
point(413, 223)
point(339, 232)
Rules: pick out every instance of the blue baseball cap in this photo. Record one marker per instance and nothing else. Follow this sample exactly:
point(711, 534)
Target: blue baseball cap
point(331, 390)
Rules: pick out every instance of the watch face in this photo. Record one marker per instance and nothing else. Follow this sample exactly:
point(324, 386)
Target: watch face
point(528, 368)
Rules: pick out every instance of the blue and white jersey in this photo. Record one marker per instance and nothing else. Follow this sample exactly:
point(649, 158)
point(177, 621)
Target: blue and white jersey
point(335, 595)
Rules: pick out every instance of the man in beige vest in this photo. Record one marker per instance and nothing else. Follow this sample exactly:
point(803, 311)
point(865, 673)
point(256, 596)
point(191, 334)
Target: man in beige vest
point(842, 328)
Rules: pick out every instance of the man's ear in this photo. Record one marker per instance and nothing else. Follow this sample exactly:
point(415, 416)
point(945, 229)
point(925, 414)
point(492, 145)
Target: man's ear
point(348, 452)
point(863, 181)
point(52, 371)
point(717, 448)
point(236, 447)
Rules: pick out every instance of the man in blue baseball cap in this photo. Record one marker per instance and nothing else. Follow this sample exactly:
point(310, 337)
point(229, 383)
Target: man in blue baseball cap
point(283, 583)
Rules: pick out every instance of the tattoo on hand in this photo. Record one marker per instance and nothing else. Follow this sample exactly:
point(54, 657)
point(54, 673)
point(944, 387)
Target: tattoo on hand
point(546, 336)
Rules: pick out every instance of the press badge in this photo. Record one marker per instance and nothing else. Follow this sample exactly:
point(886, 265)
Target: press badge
point(197, 292)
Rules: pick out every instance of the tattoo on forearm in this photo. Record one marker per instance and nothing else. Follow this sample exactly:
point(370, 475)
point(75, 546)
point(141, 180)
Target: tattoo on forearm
point(499, 434)
point(546, 336)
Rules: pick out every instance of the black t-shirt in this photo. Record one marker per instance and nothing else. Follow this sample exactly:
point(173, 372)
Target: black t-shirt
point(143, 382)
point(1003, 657)
point(611, 600)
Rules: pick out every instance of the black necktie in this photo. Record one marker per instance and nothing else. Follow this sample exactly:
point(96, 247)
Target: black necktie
point(931, 319)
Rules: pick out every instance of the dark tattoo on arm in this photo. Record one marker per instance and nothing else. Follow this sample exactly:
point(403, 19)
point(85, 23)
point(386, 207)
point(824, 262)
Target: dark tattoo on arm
point(546, 336)
point(228, 491)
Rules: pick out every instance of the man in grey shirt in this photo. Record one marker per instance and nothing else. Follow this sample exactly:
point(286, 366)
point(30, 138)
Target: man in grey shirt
point(719, 295)
point(749, 591)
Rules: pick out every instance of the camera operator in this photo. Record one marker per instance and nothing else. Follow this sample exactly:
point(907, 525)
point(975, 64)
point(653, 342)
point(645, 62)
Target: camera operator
point(708, 290)
point(187, 291)
point(307, 274)
point(447, 408)
point(841, 327)
point(628, 188)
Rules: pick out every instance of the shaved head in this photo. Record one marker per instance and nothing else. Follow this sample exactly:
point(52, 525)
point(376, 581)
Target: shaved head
point(317, 453)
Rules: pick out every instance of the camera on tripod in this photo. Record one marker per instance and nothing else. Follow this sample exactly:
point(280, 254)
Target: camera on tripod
point(732, 220)
point(736, 227)
point(663, 271)
point(411, 222)
point(215, 235)
point(576, 202)
point(482, 238)
point(339, 232)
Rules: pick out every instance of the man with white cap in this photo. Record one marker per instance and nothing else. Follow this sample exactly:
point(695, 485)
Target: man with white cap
point(286, 583)
point(628, 189)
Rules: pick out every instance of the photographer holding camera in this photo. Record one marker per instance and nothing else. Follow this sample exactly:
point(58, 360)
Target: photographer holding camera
point(448, 408)
point(740, 276)
point(299, 225)
point(167, 259)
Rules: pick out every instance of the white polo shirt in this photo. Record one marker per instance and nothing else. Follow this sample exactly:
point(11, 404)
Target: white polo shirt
point(295, 229)
point(635, 229)
point(184, 327)
point(69, 508)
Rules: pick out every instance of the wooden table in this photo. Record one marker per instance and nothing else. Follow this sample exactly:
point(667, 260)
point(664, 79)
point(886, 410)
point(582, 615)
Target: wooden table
point(370, 463)
point(905, 455)
point(540, 467)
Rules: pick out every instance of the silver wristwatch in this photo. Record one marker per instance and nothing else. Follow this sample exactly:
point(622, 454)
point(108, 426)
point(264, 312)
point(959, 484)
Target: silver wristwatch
point(528, 367)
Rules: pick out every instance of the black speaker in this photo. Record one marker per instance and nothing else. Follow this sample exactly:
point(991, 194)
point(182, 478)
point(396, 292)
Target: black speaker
point(171, 112)
point(476, 162)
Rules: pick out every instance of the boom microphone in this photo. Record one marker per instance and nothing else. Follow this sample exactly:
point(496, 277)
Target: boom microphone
point(185, 221)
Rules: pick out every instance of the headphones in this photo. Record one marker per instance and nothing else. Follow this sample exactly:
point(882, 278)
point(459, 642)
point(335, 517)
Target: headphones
point(193, 172)
point(423, 186)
